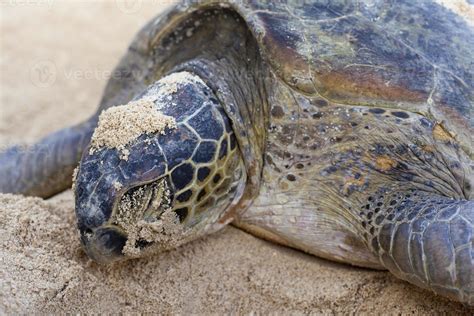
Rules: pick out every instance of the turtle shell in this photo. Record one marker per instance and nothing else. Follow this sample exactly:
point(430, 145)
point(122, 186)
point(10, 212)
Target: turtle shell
point(413, 55)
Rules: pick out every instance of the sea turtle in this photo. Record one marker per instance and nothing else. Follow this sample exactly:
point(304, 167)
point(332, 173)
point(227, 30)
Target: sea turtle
point(342, 129)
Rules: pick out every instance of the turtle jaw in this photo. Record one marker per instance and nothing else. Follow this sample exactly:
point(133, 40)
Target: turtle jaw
point(143, 202)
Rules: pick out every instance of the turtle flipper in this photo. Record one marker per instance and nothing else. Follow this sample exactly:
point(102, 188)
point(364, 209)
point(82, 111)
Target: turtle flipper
point(45, 168)
point(428, 240)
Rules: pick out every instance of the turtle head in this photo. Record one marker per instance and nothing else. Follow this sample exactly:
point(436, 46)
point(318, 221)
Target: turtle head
point(159, 171)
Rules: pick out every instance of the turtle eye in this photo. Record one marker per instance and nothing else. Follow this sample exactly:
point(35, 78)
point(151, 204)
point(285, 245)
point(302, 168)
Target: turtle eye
point(144, 202)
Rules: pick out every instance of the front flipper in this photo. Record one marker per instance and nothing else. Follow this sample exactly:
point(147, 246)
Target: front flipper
point(45, 168)
point(427, 240)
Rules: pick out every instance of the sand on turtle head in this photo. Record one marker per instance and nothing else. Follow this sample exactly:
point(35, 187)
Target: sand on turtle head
point(74, 178)
point(169, 85)
point(461, 8)
point(146, 216)
point(120, 125)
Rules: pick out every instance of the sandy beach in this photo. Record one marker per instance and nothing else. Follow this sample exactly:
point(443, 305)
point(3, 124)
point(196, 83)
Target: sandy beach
point(56, 58)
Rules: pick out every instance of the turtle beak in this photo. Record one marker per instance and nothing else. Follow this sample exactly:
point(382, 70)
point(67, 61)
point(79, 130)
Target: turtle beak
point(105, 244)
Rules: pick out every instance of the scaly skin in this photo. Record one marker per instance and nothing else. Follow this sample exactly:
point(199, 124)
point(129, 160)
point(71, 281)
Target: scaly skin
point(45, 168)
point(339, 181)
point(427, 240)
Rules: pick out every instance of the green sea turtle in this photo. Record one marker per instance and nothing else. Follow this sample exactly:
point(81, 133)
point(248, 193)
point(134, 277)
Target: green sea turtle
point(342, 129)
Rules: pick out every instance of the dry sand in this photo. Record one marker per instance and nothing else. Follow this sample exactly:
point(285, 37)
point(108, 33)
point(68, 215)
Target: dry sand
point(42, 267)
point(119, 125)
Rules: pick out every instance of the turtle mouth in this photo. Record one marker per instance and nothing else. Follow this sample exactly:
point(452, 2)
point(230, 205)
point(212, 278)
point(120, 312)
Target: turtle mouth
point(139, 205)
point(104, 244)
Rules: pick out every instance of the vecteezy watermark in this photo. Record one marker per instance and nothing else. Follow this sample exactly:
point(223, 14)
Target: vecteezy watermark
point(129, 6)
point(43, 74)
point(133, 6)
point(101, 75)
point(26, 3)
point(13, 149)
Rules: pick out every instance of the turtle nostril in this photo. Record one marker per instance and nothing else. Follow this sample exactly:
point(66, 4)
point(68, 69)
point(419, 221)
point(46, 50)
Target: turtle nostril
point(87, 232)
point(83, 228)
